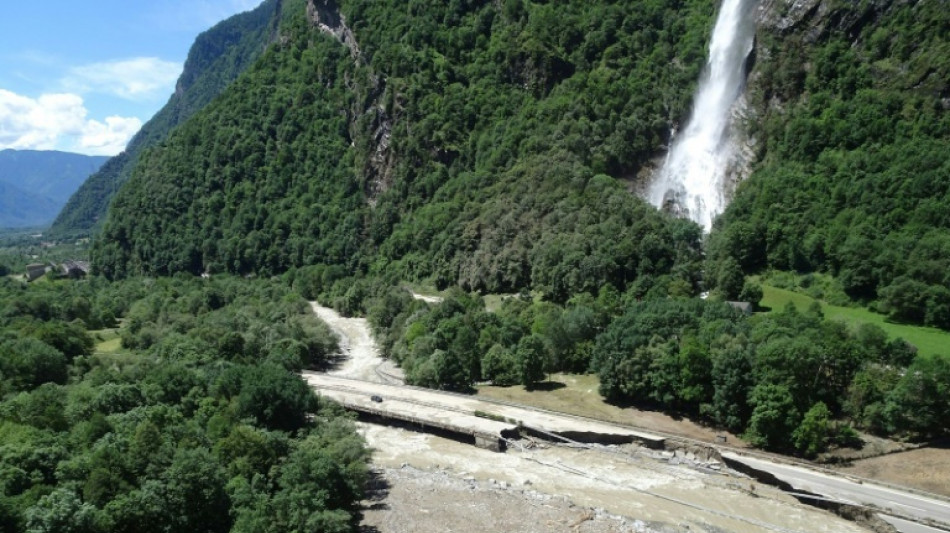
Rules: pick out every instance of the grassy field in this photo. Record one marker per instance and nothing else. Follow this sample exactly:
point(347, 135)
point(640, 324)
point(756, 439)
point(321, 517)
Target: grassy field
point(577, 394)
point(107, 340)
point(929, 341)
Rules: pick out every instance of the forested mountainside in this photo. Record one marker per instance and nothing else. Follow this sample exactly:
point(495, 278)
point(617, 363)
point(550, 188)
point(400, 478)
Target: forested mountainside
point(217, 57)
point(469, 141)
point(35, 184)
point(496, 147)
point(488, 144)
point(851, 102)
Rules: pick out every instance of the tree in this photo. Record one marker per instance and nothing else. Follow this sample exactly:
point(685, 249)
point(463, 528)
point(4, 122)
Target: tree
point(69, 338)
point(274, 397)
point(812, 434)
point(920, 402)
point(194, 487)
point(752, 293)
point(61, 511)
point(27, 362)
point(905, 300)
point(730, 280)
point(774, 417)
point(450, 374)
point(796, 363)
point(531, 354)
point(500, 366)
point(867, 393)
point(321, 482)
point(43, 407)
point(731, 380)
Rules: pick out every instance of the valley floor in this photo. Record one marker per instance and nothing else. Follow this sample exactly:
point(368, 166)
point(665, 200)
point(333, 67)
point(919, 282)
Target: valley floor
point(427, 483)
point(926, 469)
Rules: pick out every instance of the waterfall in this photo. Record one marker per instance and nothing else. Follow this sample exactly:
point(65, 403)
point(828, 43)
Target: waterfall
point(693, 180)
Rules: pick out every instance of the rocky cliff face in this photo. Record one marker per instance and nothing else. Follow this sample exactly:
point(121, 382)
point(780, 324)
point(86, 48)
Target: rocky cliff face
point(783, 15)
point(370, 124)
point(817, 18)
point(779, 63)
point(325, 14)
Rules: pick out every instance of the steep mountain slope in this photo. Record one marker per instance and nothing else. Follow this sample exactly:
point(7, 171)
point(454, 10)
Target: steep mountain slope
point(467, 142)
point(216, 58)
point(484, 144)
point(36, 184)
point(851, 102)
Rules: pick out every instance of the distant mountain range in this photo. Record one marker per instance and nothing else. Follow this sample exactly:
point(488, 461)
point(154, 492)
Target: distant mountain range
point(34, 185)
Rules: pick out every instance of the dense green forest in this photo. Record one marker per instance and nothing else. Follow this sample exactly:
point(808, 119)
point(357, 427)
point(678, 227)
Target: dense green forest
point(504, 121)
point(478, 147)
point(198, 423)
point(855, 131)
point(492, 147)
point(789, 380)
point(217, 57)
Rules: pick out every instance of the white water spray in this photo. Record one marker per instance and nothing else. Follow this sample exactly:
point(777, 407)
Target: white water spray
point(693, 180)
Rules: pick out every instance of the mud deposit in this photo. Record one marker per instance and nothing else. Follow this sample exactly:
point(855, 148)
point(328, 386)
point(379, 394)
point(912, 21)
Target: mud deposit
point(427, 483)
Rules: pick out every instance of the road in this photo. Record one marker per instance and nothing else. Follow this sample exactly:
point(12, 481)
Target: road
point(629, 481)
point(459, 410)
point(364, 363)
point(901, 503)
point(906, 526)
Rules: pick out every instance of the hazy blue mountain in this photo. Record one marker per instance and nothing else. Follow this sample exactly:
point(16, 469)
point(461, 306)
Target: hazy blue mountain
point(36, 184)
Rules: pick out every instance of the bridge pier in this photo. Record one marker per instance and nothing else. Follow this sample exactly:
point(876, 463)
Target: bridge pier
point(495, 444)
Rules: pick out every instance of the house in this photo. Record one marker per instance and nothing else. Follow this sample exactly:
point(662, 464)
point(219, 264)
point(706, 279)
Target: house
point(75, 269)
point(34, 271)
point(745, 307)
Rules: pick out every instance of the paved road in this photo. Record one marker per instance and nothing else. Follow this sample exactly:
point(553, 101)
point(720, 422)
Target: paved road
point(887, 499)
point(443, 408)
point(905, 526)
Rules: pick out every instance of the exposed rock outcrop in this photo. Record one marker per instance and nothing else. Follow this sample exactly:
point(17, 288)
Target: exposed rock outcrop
point(783, 15)
point(326, 15)
point(816, 18)
point(370, 123)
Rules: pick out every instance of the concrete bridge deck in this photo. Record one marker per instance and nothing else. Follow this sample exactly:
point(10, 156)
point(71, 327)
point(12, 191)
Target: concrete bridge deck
point(489, 423)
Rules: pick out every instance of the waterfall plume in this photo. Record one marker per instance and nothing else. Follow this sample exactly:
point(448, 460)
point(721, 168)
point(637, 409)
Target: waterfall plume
point(693, 181)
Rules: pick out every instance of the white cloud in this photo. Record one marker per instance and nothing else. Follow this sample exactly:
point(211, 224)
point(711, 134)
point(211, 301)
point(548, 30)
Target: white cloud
point(136, 79)
point(40, 123)
point(58, 121)
point(109, 138)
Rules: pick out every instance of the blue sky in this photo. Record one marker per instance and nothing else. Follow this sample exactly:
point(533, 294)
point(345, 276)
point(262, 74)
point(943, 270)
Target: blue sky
point(84, 76)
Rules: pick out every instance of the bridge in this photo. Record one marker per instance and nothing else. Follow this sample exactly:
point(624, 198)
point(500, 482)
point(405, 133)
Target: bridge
point(487, 424)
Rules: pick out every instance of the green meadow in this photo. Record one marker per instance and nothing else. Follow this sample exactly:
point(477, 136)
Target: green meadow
point(929, 341)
